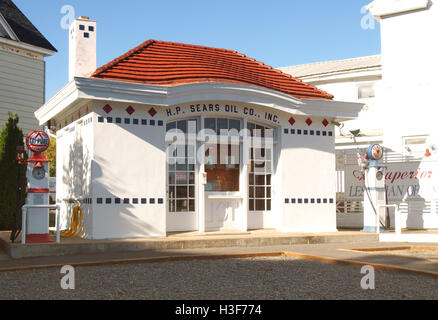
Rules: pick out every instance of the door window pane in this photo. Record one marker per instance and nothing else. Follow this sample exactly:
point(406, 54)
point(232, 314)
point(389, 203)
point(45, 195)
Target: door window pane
point(210, 123)
point(192, 205)
point(171, 126)
point(181, 192)
point(171, 178)
point(222, 124)
point(182, 125)
point(234, 124)
point(181, 205)
point(260, 204)
point(191, 191)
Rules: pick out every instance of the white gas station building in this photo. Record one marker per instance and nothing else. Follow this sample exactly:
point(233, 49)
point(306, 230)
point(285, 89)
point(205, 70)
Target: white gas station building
point(258, 144)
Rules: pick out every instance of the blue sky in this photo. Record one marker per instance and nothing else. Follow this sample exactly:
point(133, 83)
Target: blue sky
point(276, 32)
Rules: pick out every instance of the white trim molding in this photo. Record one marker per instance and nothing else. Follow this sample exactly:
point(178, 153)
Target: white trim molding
point(381, 8)
point(25, 46)
point(81, 90)
point(8, 28)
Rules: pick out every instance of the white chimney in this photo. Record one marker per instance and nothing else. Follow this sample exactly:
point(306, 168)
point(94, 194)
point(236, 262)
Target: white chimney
point(82, 47)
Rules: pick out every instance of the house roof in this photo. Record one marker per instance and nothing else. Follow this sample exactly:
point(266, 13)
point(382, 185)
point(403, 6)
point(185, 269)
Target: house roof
point(171, 64)
point(327, 67)
point(22, 27)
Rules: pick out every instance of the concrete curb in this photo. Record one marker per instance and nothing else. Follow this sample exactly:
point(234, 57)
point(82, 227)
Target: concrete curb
point(385, 267)
point(377, 266)
point(17, 251)
point(145, 260)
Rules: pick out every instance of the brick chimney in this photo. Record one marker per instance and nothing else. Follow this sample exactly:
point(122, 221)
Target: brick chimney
point(82, 47)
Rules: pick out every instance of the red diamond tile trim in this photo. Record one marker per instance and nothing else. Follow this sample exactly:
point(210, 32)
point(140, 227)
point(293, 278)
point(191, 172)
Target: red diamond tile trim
point(130, 110)
point(291, 121)
point(325, 122)
point(309, 121)
point(107, 108)
point(152, 112)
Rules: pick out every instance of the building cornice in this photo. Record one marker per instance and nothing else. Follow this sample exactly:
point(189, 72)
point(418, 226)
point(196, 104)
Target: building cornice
point(382, 8)
point(341, 76)
point(25, 46)
point(82, 90)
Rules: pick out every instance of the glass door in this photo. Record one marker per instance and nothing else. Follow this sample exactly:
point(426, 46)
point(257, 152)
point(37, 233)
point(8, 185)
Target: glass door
point(181, 177)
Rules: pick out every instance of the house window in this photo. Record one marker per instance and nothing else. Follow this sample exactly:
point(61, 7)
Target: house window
point(365, 91)
point(412, 140)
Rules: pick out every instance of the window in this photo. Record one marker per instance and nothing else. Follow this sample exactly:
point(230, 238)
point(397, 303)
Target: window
point(260, 173)
point(184, 126)
point(218, 124)
point(260, 169)
point(181, 169)
point(222, 159)
point(222, 167)
point(414, 140)
point(365, 91)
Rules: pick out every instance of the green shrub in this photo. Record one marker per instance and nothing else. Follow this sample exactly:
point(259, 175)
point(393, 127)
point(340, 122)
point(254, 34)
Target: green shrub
point(10, 137)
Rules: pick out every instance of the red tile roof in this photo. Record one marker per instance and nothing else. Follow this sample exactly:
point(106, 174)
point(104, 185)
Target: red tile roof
point(168, 63)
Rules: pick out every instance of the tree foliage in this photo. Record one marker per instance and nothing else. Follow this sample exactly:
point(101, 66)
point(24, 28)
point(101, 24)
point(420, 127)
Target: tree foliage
point(51, 155)
point(10, 137)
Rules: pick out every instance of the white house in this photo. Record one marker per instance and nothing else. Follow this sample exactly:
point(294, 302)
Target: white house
point(22, 67)
point(178, 137)
point(397, 89)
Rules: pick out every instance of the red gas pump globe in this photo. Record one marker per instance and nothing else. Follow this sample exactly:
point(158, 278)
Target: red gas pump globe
point(37, 141)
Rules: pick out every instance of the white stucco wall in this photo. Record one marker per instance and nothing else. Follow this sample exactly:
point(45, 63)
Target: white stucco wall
point(345, 88)
point(307, 172)
point(129, 163)
point(74, 155)
point(409, 81)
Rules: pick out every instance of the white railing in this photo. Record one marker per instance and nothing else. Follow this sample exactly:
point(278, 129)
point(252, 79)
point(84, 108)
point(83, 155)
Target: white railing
point(397, 216)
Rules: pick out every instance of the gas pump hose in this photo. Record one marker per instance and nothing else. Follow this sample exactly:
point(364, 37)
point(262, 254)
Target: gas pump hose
point(76, 223)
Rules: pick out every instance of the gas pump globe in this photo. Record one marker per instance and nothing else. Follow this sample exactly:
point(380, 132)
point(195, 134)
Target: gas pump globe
point(375, 193)
point(37, 187)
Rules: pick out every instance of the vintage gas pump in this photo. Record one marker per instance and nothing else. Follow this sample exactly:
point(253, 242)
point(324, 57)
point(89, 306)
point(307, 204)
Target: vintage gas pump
point(374, 189)
point(37, 187)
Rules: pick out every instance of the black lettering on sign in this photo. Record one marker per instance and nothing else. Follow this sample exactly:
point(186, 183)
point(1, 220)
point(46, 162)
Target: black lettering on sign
point(199, 108)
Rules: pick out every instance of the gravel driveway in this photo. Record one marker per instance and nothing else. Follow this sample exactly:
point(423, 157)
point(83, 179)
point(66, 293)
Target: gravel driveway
point(245, 278)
